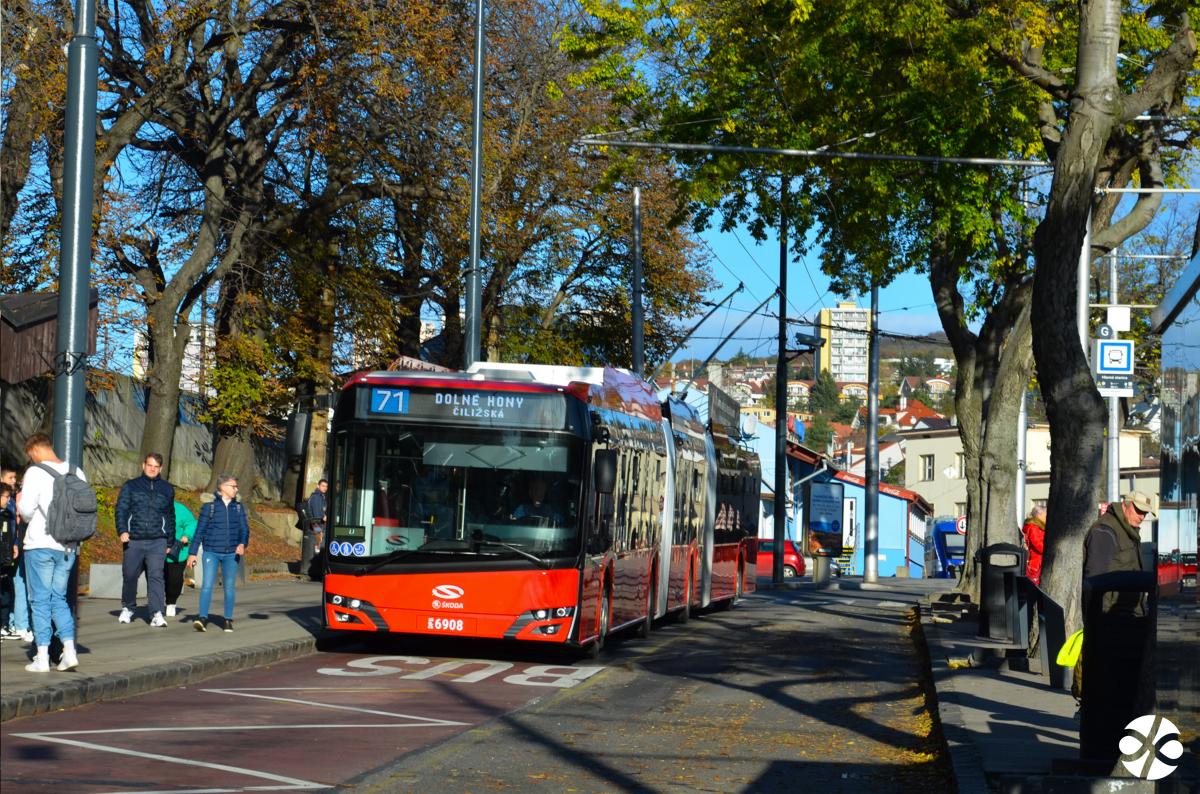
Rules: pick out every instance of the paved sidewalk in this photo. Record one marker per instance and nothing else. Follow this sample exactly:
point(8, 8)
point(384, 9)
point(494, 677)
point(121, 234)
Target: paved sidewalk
point(1005, 729)
point(275, 619)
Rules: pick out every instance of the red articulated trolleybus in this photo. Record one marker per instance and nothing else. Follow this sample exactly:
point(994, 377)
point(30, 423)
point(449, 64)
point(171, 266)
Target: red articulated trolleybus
point(525, 502)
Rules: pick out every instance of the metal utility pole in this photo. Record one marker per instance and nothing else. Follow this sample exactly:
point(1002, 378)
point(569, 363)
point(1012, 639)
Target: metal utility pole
point(75, 254)
point(1022, 427)
point(471, 340)
point(781, 490)
point(871, 539)
point(639, 354)
point(1114, 405)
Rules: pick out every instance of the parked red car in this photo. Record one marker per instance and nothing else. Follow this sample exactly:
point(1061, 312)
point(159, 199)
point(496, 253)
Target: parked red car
point(793, 563)
point(1189, 568)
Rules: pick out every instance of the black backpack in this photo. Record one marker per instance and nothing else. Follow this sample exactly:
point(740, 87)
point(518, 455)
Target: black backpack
point(72, 514)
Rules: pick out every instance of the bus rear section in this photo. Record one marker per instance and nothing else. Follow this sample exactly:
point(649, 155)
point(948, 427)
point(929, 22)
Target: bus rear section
point(455, 508)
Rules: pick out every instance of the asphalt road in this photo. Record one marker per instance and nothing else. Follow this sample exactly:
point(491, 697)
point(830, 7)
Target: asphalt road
point(793, 690)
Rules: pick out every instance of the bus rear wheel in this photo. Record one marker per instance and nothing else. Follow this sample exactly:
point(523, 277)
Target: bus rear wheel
point(647, 624)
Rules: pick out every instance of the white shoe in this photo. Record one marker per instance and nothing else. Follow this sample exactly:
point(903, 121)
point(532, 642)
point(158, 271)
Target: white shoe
point(26, 636)
point(68, 662)
point(158, 621)
point(170, 610)
point(38, 666)
point(126, 616)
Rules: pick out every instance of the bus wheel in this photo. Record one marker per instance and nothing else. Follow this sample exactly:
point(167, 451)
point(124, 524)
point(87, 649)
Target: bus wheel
point(596, 647)
point(647, 625)
point(685, 614)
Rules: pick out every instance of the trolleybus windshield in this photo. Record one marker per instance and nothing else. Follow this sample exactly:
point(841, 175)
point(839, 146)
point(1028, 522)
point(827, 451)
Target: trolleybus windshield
point(409, 493)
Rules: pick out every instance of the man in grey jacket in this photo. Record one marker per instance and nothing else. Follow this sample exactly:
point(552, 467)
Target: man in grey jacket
point(145, 518)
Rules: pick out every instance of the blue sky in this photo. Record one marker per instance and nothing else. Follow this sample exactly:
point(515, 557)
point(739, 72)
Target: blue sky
point(905, 306)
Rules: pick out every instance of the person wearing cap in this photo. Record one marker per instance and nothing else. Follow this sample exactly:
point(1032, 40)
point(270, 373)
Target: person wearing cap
point(1114, 544)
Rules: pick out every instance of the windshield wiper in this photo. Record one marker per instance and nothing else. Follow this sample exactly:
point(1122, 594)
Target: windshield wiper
point(399, 554)
point(531, 557)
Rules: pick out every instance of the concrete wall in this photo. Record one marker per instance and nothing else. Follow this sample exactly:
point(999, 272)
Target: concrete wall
point(114, 421)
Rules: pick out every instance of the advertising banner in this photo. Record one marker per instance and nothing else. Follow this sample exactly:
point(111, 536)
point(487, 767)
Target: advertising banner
point(823, 517)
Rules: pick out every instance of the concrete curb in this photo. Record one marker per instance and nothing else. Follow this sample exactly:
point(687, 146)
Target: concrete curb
point(964, 756)
point(76, 692)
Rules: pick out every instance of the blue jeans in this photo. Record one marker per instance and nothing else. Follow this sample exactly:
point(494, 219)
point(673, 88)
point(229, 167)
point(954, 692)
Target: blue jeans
point(229, 571)
point(20, 605)
point(48, 571)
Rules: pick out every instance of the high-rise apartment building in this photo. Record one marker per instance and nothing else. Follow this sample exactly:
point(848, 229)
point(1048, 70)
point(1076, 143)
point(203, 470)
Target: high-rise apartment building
point(845, 331)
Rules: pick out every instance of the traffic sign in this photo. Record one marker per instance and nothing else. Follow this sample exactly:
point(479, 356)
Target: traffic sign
point(960, 525)
point(1105, 332)
point(1113, 357)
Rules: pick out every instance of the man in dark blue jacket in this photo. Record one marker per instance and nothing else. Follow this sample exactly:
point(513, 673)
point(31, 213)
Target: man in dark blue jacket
point(223, 532)
point(146, 524)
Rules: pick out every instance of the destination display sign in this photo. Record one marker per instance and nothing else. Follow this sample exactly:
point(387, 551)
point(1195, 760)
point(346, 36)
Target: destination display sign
point(464, 407)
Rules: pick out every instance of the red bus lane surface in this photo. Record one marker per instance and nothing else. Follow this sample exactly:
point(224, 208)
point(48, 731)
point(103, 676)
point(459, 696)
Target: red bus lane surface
point(311, 723)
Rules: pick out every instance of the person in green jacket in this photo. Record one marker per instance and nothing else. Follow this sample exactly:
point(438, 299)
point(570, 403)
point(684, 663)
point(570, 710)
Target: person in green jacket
point(176, 564)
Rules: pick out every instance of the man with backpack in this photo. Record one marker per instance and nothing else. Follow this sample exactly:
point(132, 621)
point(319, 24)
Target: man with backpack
point(145, 517)
point(59, 508)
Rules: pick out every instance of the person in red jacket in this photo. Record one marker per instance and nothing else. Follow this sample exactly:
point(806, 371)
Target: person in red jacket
point(1034, 532)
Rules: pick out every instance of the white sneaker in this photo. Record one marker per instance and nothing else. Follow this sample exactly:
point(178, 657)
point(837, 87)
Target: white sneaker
point(170, 610)
point(38, 666)
point(126, 616)
point(68, 662)
point(158, 621)
point(26, 636)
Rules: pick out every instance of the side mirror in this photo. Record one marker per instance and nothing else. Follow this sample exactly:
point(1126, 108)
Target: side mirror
point(297, 434)
point(605, 471)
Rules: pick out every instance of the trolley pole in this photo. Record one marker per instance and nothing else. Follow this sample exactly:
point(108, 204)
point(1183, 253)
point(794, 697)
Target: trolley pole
point(781, 490)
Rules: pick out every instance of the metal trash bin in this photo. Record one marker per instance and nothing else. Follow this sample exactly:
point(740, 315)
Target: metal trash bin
point(999, 608)
point(1118, 637)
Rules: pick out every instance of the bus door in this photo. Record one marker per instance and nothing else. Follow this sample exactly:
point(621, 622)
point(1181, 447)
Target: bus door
point(633, 532)
point(596, 545)
point(707, 533)
point(666, 537)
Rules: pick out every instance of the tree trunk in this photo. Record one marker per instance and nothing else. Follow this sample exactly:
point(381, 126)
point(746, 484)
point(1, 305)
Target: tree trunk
point(168, 336)
point(235, 455)
point(968, 410)
point(993, 372)
point(323, 395)
point(1076, 412)
point(234, 450)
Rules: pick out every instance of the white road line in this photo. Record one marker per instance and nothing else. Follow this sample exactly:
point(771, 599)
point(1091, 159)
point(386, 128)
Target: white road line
point(242, 693)
point(286, 783)
point(227, 728)
point(290, 783)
